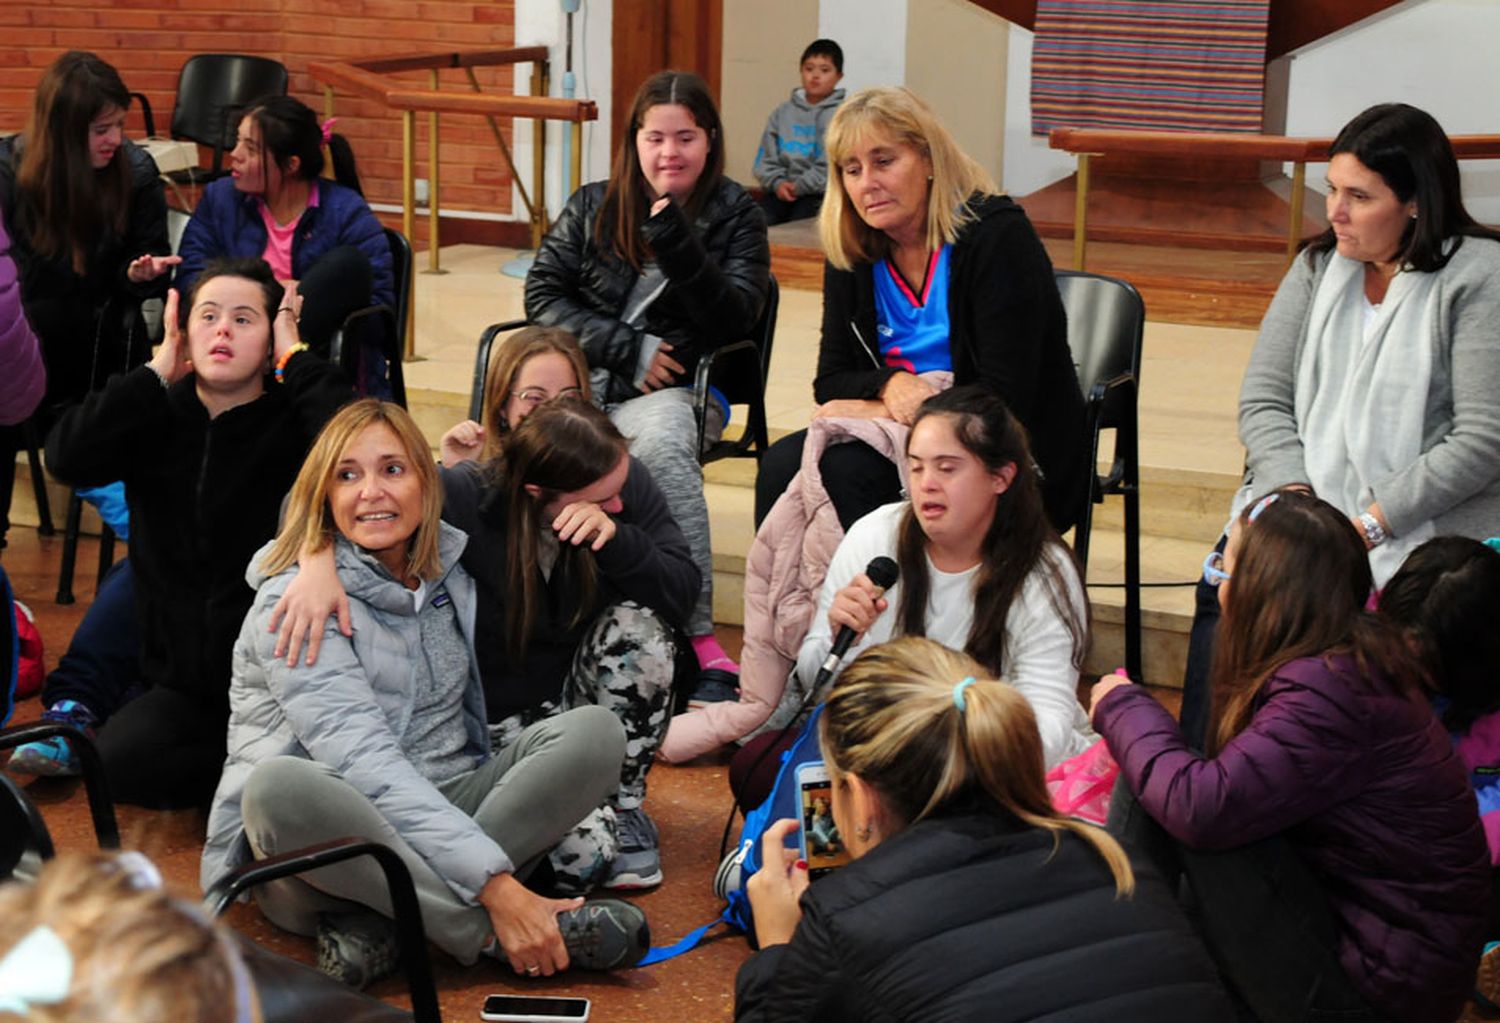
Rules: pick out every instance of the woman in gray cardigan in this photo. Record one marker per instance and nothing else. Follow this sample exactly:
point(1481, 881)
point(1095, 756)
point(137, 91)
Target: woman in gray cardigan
point(1375, 382)
point(385, 736)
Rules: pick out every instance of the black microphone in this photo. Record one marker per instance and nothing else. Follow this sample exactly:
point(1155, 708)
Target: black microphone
point(881, 571)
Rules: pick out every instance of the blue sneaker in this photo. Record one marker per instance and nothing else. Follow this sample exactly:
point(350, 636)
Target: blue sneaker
point(54, 757)
point(1487, 983)
point(637, 864)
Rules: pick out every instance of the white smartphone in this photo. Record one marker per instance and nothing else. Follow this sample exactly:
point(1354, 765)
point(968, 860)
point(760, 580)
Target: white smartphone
point(818, 837)
point(534, 1009)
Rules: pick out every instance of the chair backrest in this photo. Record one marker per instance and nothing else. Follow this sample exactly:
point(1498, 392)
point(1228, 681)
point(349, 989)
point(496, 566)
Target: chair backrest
point(213, 89)
point(741, 390)
point(482, 363)
point(401, 268)
point(1106, 322)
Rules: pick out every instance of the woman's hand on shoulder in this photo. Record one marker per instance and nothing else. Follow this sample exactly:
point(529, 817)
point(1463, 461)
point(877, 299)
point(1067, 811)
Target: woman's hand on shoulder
point(171, 359)
point(525, 924)
point(903, 394)
point(311, 596)
point(857, 606)
point(462, 443)
point(149, 268)
point(775, 890)
point(584, 522)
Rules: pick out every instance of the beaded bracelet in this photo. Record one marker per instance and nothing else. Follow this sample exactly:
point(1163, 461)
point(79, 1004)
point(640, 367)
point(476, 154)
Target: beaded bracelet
point(300, 346)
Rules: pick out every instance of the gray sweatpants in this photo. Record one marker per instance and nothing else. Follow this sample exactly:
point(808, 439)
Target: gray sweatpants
point(663, 434)
point(528, 797)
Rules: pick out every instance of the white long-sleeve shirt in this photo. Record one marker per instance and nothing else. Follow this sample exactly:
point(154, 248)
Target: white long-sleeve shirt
point(1038, 657)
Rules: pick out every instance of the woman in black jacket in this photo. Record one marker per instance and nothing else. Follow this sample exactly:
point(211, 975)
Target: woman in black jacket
point(663, 263)
point(87, 219)
point(929, 270)
point(969, 897)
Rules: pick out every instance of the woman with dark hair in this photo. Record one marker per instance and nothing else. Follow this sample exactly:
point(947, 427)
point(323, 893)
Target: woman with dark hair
point(275, 205)
point(207, 437)
point(385, 737)
point(87, 220)
point(1329, 837)
point(930, 269)
point(1373, 382)
point(969, 897)
point(661, 264)
point(981, 568)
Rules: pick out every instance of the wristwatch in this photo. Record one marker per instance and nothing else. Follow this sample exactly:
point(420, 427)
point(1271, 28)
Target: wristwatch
point(1375, 533)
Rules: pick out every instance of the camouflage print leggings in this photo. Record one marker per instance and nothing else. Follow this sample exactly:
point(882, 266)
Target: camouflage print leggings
point(624, 664)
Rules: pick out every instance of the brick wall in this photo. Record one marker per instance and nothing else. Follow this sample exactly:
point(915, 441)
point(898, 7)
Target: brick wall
point(148, 41)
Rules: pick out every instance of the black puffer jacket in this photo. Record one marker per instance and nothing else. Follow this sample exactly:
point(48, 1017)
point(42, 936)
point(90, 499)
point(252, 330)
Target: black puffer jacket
point(89, 324)
point(976, 917)
point(718, 270)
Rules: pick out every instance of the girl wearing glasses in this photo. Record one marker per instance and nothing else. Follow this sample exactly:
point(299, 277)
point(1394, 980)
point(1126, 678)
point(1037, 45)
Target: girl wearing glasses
point(579, 569)
point(1329, 837)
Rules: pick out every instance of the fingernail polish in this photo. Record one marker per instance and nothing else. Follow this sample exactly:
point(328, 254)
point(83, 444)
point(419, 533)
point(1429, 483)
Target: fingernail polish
point(800, 864)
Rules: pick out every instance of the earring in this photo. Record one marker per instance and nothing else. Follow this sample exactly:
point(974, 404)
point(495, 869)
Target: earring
point(929, 178)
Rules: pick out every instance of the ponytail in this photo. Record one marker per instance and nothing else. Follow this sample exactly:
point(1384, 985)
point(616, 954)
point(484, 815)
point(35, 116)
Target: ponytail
point(926, 729)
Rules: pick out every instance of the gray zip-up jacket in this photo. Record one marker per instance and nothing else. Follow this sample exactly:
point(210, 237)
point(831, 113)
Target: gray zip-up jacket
point(349, 711)
point(791, 149)
point(1455, 482)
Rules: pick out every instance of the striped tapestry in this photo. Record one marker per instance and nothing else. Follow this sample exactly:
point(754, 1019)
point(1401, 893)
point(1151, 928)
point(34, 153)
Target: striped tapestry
point(1149, 64)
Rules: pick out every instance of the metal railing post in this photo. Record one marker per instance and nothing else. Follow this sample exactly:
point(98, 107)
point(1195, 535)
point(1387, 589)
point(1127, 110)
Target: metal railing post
point(434, 259)
point(1299, 183)
point(408, 205)
point(1080, 211)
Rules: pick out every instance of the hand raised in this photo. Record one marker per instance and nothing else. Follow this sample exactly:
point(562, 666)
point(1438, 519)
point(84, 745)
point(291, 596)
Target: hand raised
point(171, 359)
point(149, 268)
point(462, 443)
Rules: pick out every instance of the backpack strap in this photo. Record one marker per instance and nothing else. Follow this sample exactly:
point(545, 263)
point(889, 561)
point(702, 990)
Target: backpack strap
point(687, 943)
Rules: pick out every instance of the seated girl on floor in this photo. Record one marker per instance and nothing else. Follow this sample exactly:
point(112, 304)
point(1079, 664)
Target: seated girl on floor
point(981, 570)
point(969, 898)
point(312, 230)
point(581, 576)
point(385, 737)
point(1330, 837)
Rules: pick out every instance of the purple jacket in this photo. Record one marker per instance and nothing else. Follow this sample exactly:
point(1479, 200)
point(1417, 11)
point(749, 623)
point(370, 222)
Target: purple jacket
point(20, 358)
point(1365, 785)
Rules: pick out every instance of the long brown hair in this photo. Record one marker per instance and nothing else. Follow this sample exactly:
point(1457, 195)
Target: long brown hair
point(892, 719)
point(308, 524)
point(1300, 583)
point(1016, 543)
point(66, 203)
point(505, 366)
point(564, 445)
point(625, 204)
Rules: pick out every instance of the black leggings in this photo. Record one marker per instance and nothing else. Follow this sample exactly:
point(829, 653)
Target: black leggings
point(164, 750)
point(858, 478)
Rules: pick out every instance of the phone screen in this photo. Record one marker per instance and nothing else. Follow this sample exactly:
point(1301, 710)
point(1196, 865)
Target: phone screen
point(824, 847)
point(534, 1007)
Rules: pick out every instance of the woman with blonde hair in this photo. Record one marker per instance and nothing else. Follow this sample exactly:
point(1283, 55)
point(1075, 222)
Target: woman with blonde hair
point(97, 940)
point(939, 794)
point(930, 270)
point(385, 736)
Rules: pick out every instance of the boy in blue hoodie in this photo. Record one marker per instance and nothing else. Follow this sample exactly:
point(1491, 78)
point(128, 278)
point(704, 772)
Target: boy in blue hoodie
point(791, 164)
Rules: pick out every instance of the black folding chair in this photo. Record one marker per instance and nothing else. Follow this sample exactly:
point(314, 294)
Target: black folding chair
point(1106, 324)
point(380, 327)
point(213, 90)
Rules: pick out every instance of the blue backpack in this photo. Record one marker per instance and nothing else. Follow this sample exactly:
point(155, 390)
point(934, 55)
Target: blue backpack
point(729, 882)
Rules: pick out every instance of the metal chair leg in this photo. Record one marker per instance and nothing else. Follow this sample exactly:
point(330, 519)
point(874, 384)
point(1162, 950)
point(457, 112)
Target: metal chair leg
point(70, 549)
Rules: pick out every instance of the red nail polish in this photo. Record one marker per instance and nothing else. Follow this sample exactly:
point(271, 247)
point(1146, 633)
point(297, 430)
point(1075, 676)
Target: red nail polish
point(800, 864)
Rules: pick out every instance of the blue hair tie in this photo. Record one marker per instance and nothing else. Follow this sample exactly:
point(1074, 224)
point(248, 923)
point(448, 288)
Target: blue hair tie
point(958, 694)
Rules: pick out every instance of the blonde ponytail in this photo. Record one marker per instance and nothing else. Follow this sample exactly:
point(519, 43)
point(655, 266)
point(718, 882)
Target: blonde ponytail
point(906, 720)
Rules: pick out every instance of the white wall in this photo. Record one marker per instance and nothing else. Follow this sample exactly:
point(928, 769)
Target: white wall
point(1435, 54)
point(542, 23)
point(872, 34)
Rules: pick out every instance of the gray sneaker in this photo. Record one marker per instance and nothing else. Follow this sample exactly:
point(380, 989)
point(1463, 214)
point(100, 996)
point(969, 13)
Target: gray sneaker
point(637, 864)
point(357, 948)
point(606, 934)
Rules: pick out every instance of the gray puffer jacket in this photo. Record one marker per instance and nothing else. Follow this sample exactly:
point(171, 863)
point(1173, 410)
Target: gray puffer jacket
point(349, 711)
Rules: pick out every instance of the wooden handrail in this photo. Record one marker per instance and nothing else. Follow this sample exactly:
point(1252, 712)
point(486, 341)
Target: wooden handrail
point(401, 96)
point(1087, 143)
point(1103, 142)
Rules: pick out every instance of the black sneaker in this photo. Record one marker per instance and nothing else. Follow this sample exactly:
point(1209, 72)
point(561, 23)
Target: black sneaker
point(357, 948)
point(605, 934)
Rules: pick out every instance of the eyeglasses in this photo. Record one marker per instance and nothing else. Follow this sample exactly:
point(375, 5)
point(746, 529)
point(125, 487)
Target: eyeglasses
point(1213, 568)
point(531, 397)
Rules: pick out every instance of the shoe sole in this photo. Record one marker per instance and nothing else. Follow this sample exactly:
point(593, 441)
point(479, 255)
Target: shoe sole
point(632, 882)
point(39, 766)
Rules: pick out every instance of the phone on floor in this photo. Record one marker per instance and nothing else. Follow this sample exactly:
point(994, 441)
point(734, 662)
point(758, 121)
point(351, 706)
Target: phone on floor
point(534, 1009)
point(818, 837)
